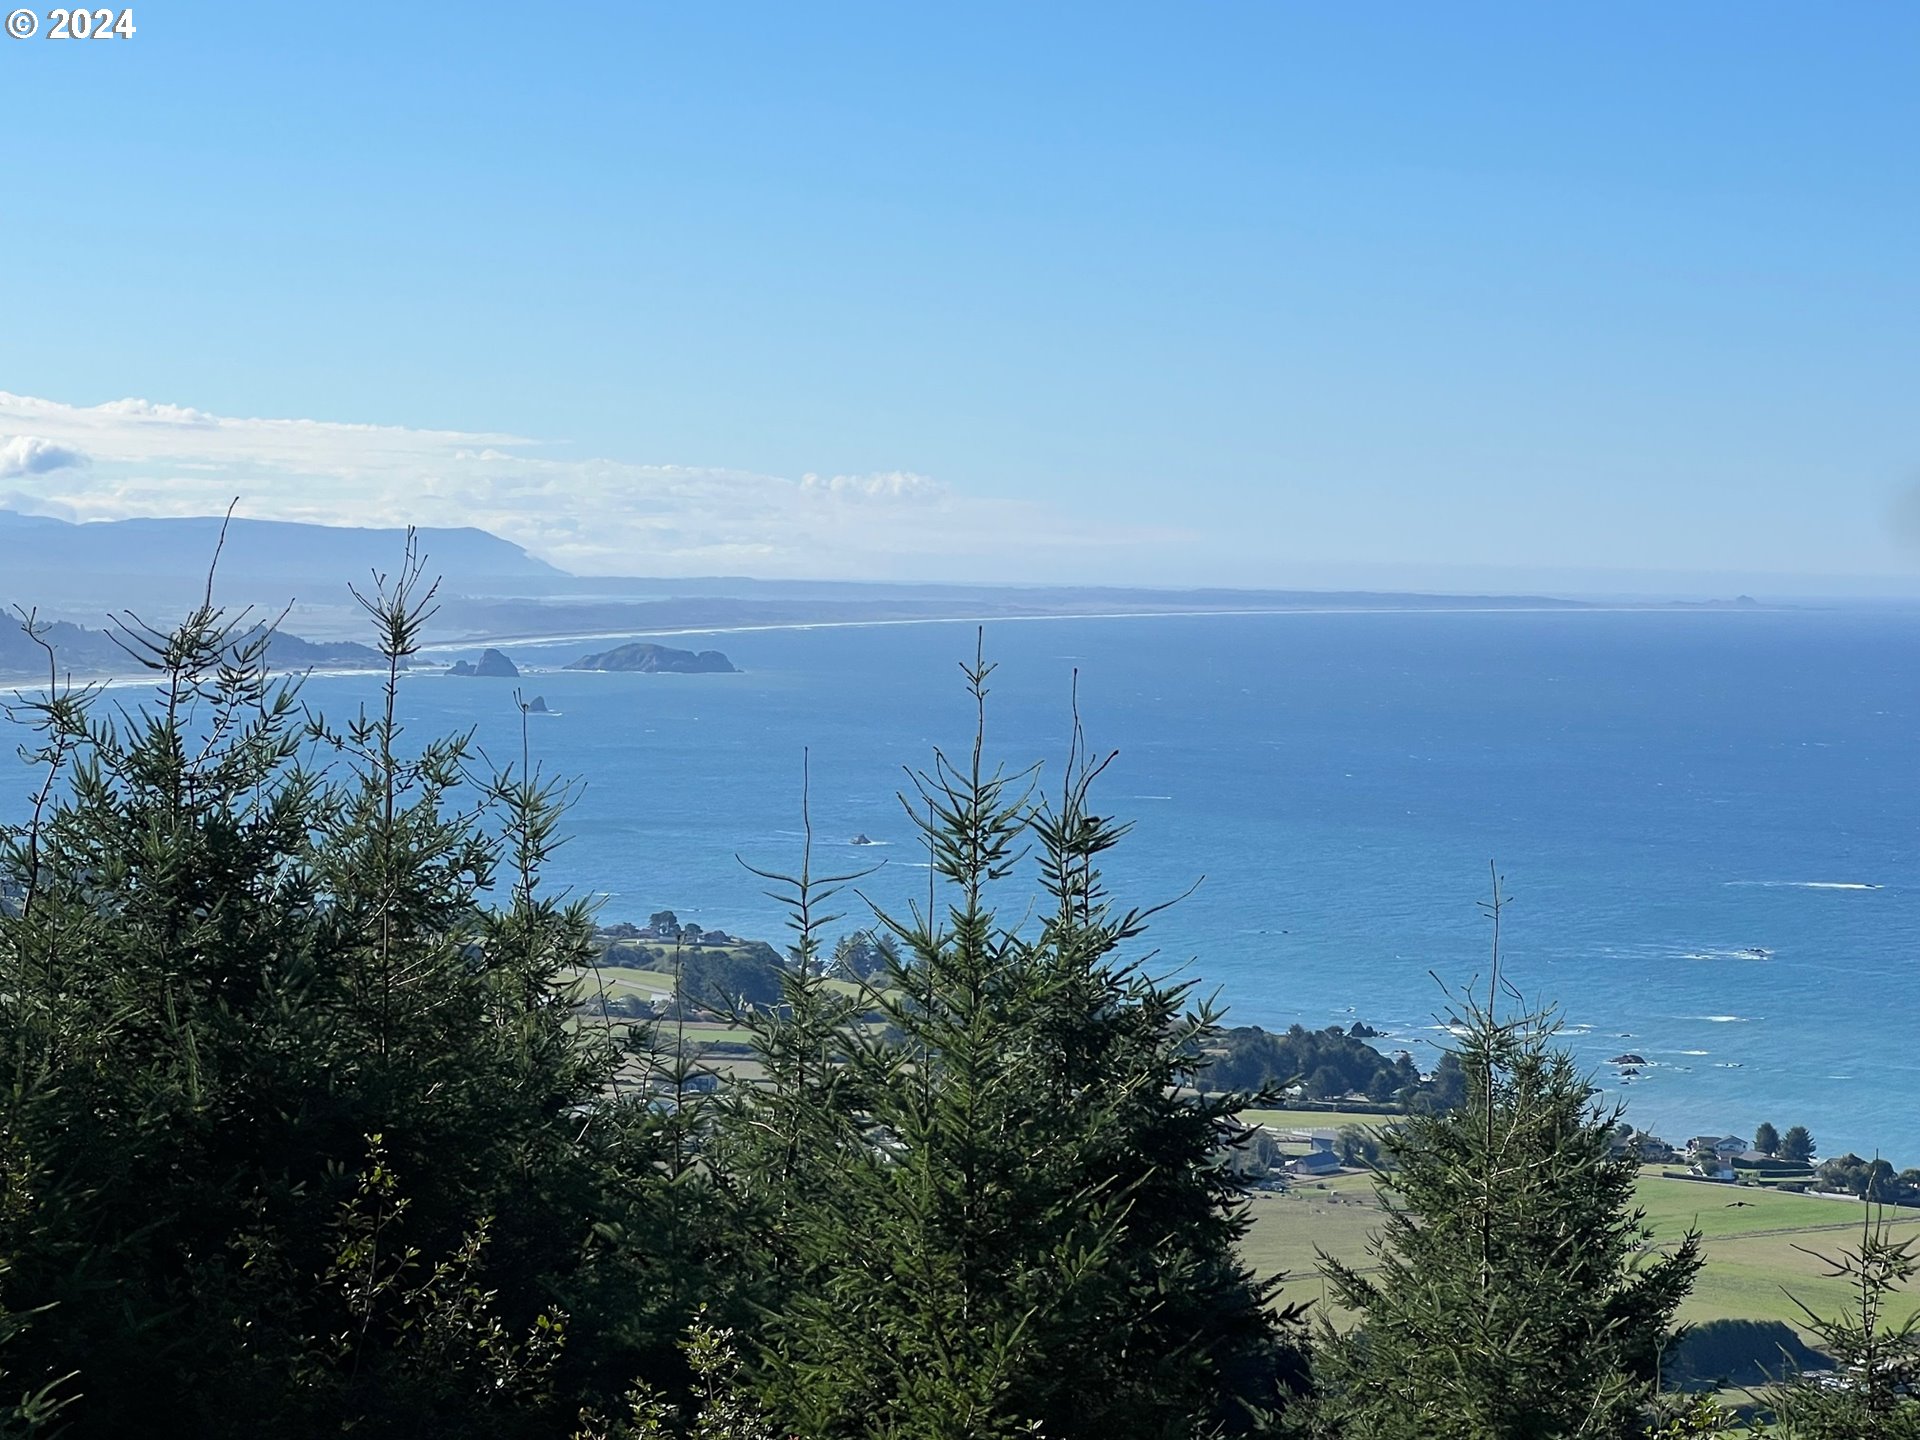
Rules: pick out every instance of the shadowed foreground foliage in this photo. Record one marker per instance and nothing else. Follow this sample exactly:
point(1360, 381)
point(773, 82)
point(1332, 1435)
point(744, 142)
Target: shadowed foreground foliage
point(300, 1130)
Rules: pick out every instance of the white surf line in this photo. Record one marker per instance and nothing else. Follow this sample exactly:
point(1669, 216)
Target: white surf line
point(584, 637)
point(158, 683)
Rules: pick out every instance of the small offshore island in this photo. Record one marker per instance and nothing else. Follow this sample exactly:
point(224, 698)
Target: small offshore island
point(643, 657)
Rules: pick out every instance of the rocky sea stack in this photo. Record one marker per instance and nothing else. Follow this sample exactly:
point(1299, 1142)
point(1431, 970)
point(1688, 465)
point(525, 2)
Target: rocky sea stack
point(491, 665)
point(645, 658)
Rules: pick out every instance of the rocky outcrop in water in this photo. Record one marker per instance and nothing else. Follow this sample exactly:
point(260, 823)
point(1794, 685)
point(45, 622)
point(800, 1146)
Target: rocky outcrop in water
point(643, 657)
point(492, 665)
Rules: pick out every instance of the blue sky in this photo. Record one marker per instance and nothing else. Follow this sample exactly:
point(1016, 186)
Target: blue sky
point(1253, 294)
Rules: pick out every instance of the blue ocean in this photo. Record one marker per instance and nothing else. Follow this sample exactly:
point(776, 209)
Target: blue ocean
point(1706, 822)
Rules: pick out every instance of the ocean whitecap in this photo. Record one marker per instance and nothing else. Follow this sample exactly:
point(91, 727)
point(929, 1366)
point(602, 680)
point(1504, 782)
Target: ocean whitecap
point(1807, 884)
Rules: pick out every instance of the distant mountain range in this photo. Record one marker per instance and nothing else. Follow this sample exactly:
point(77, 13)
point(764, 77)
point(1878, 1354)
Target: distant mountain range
point(52, 561)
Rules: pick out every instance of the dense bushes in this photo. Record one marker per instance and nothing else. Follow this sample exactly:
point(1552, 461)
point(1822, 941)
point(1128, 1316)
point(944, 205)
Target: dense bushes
point(1330, 1064)
point(728, 979)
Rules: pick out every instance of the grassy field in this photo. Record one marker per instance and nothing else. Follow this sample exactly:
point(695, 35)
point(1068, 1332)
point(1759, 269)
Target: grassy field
point(1290, 1230)
point(621, 980)
point(702, 1030)
point(618, 982)
point(1756, 1250)
point(1751, 1237)
point(1313, 1119)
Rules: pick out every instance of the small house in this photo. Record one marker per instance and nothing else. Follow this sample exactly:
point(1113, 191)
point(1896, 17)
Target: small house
point(1725, 1146)
point(1642, 1146)
point(1314, 1162)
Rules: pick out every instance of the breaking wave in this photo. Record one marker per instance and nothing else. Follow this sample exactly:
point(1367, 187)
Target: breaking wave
point(1808, 884)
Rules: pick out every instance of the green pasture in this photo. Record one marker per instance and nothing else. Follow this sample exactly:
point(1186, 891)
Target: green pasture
point(617, 981)
point(1756, 1242)
point(1315, 1119)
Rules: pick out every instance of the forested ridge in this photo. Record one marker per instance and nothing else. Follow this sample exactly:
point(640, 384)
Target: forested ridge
point(310, 1130)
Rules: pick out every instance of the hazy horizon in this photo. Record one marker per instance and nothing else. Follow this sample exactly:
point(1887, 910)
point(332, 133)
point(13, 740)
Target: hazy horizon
point(1594, 584)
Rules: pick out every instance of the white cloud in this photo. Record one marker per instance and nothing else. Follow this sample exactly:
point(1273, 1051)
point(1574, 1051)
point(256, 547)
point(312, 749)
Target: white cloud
point(147, 410)
point(595, 516)
point(890, 484)
point(34, 455)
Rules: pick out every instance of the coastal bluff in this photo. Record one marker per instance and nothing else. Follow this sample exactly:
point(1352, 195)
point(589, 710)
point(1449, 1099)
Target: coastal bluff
point(643, 657)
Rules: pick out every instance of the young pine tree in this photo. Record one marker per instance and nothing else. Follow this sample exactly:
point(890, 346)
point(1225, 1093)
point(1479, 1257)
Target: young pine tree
point(1005, 1213)
point(1876, 1359)
point(1512, 1299)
